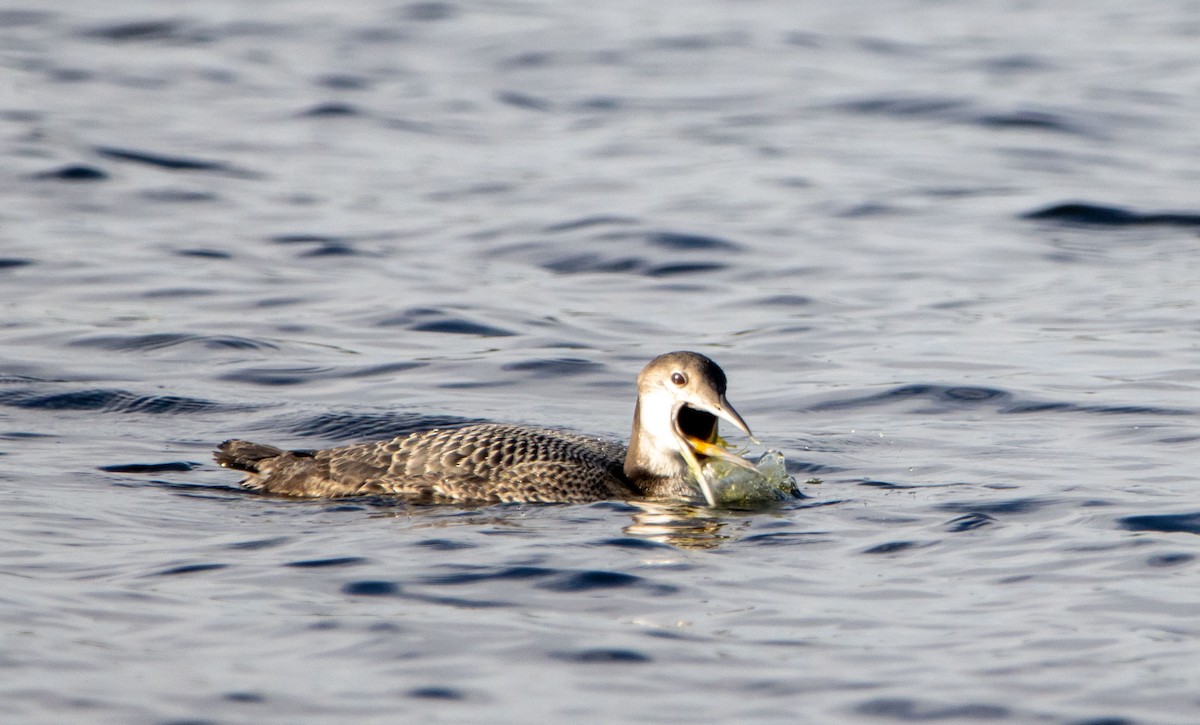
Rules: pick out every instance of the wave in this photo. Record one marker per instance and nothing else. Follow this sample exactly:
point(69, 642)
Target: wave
point(942, 398)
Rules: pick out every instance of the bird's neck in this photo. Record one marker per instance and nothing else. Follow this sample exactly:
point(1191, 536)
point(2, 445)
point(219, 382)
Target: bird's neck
point(651, 463)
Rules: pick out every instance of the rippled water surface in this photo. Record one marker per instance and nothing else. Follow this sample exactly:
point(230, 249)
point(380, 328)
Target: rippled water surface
point(947, 254)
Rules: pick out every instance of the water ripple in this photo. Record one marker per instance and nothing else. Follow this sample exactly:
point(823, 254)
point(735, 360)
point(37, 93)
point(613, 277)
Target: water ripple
point(74, 172)
point(332, 250)
point(258, 544)
point(630, 542)
point(908, 710)
point(279, 376)
point(163, 340)
point(15, 18)
point(892, 547)
point(1028, 119)
point(382, 588)
point(783, 538)
point(969, 522)
point(1087, 213)
point(593, 263)
point(462, 327)
point(598, 249)
point(676, 270)
point(1188, 523)
point(200, 253)
point(988, 508)
point(169, 467)
point(112, 401)
point(163, 161)
point(949, 397)
point(471, 575)
point(326, 563)
point(302, 238)
point(332, 110)
point(604, 656)
point(587, 581)
point(557, 367)
point(963, 111)
point(549, 579)
point(371, 588)
point(904, 106)
point(428, 11)
point(587, 223)
point(189, 569)
point(423, 319)
point(447, 694)
point(178, 196)
point(139, 31)
point(524, 100)
point(691, 242)
point(443, 545)
point(1172, 559)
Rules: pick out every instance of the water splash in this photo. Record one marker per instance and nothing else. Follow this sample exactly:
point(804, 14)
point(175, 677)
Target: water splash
point(741, 488)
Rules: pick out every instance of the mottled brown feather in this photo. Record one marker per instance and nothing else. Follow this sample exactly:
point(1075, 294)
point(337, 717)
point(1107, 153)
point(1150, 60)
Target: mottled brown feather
point(485, 463)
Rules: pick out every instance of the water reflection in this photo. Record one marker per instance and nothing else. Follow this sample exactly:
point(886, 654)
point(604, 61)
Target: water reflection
point(676, 524)
point(699, 527)
point(681, 525)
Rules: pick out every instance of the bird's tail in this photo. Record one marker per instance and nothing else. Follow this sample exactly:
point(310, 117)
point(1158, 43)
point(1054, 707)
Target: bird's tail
point(244, 455)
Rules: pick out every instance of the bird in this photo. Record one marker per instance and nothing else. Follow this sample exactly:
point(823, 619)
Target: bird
point(681, 398)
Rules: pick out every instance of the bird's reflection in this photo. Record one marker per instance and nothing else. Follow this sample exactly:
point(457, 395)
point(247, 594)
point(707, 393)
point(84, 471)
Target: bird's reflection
point(687, 527)
point(679, 524)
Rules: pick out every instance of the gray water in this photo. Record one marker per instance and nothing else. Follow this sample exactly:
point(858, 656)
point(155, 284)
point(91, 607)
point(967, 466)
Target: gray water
point(946, 252)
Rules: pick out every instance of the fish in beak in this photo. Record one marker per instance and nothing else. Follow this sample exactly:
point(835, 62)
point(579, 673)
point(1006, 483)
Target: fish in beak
point(694, 426)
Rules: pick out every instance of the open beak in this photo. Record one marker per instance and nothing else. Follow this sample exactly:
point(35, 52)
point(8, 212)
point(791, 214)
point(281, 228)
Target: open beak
point(712, 447)
point(725, 410)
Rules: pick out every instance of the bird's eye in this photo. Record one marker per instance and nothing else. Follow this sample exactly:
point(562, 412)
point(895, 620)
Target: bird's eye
point(679, 379)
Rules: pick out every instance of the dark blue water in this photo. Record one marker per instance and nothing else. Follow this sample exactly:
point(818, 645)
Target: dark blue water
point(946, 253)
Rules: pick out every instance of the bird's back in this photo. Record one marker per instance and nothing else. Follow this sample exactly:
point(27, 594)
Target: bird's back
point(485, 463)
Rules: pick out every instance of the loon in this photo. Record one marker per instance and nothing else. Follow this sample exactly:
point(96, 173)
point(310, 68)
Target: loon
point(681, 396)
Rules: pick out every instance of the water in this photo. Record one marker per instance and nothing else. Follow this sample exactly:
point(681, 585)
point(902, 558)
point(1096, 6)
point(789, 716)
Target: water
point(946, 253)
